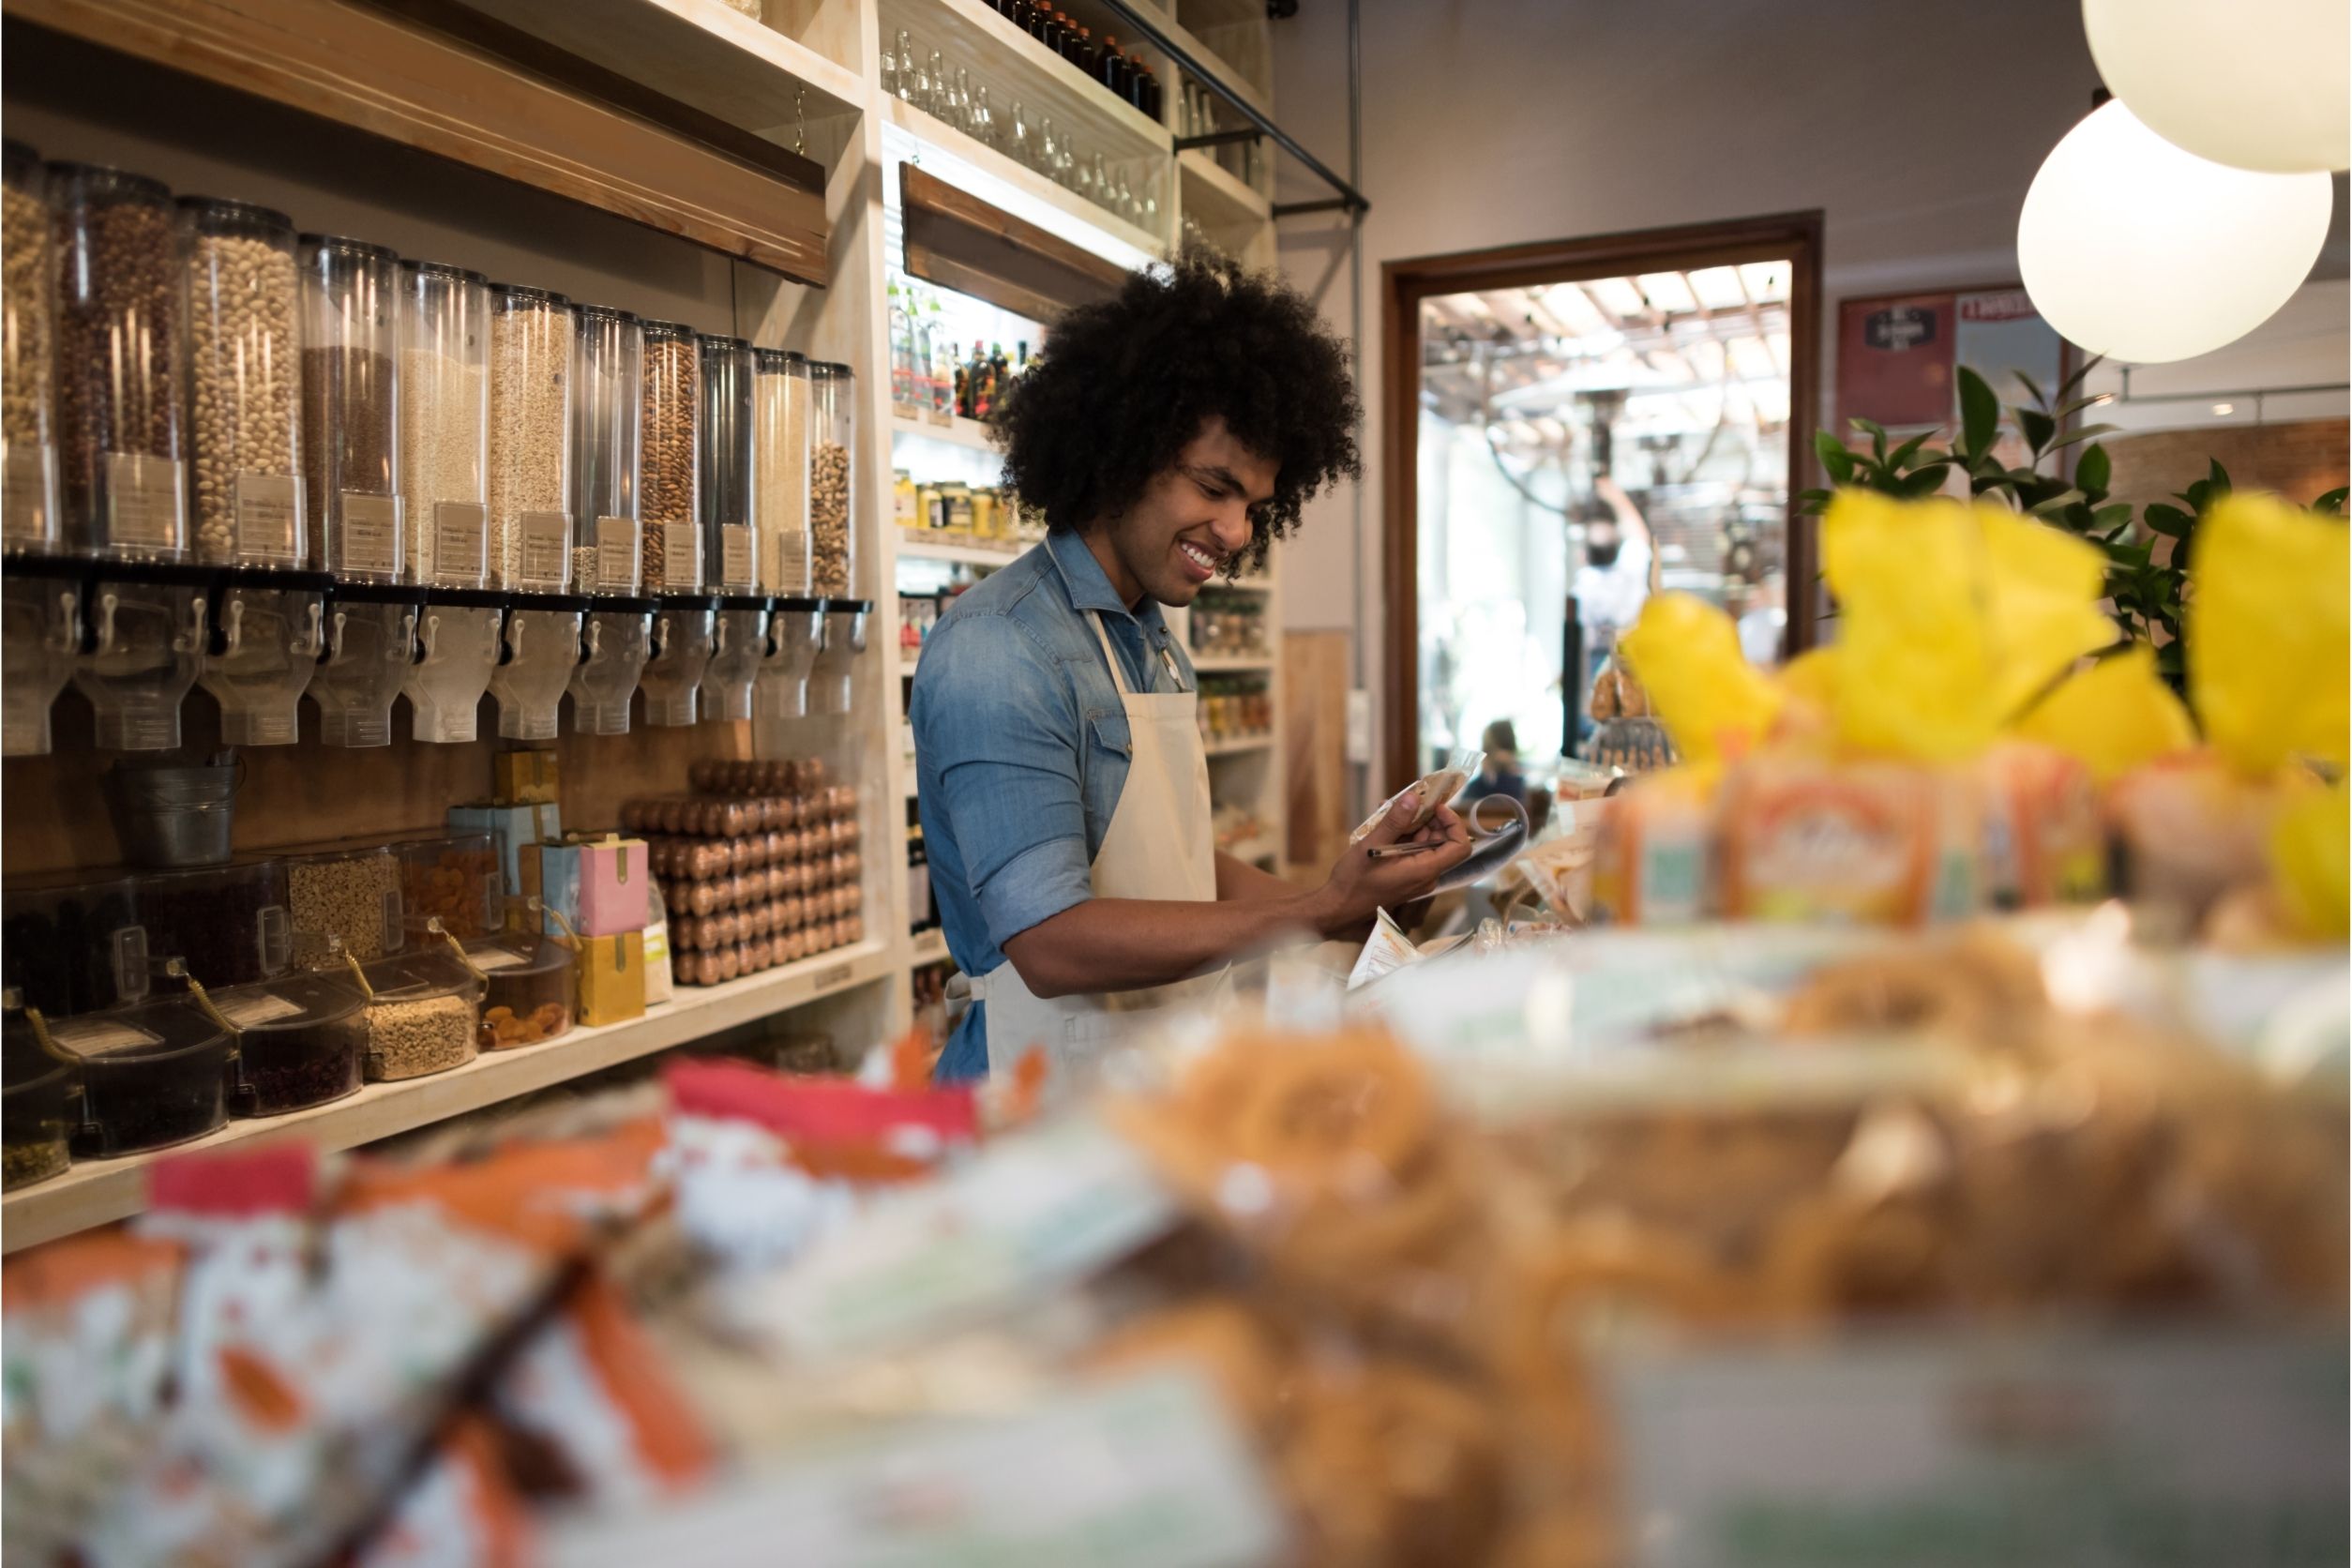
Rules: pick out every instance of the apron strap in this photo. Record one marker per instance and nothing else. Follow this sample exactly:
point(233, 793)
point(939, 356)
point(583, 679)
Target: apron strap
point(1110, 654)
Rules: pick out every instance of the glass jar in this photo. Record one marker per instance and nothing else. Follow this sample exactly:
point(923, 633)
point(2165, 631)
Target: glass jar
point(301, 1041)
point(230, 924)
point(530, 438)
point(731, 559)
point(607, 372)
point(351, 296)
point(37, 1113)
point(453, 878)
point(738, 646)
point(456, 649)
point(780, 443)
point(684, 638)
point(28, 450)
point(832, 503)
point(444, 384)
point(617, 644)
point(425, 1016)
point(122, 422)
point(244, 356)
point(348, 892)
point(542, 651)
point(40, 637)
point(531, 990)
point(370, 643)
point(670, 467)
point(152, 1076)
point(147, 647)
point(260, 659)
point(795, 637)
point(73, 943)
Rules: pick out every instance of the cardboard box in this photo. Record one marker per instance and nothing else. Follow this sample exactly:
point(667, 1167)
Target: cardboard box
point(599, 887)
point(512, 830)
point(524, 778)
point(612, 978)
point(657, 979)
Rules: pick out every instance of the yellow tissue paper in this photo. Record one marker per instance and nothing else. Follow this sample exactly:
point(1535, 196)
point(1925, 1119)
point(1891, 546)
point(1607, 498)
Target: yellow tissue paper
point(2268, 644)
point(1713, 703)
point(2311, 859)
point(2112, 716)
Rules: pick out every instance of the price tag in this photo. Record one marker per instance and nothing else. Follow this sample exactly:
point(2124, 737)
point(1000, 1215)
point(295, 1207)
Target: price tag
point(371, 543)
point(735, 557)
point(24, 504)
point(269, 517)
point(616, 554)
point(792, 564)
point(459, 530)
point(832, 979)
point(249, 1012)
point(488, 958)
point(98, 1037)
point(683, 567)
point(545, 555)
point(142, 500)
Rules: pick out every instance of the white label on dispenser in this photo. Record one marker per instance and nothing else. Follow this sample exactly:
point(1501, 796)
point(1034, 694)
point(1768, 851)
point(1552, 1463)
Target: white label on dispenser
point(791, 568)
point(97, 1036)
point(251, 1012)
point(459, 532)
point(142, 500)
point(682, 565)
point(735, 557)
point(546, 559)
point(370, 544)
point(25, 506)
point(616, 555)
point(488, 958)
point(269, 517)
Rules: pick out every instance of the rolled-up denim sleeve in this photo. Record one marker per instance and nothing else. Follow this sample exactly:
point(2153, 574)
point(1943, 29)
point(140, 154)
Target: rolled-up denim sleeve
point(994, 717)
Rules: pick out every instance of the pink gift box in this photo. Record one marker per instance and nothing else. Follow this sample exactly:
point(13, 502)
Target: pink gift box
point(612, 877)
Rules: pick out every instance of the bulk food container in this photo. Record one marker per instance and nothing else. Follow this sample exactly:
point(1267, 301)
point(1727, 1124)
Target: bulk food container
point(370, 643)
point(261, 660)
point(668, 490)
point(243, 355)
point(616, 645)
point(351, 426)
point(457, 649)
point(530, 438)
point(531, 991)
point(730, 558)
point(230, 925)
point(40, 634)
point(608, 370)
point(73, 943)
point(779, 447)
point(443, 441)
point(739, 642)
point(449, 877)
point(795, 637)
point(28, 444)
point(832, 503)
point(301, 1041)
point(425, 1016)
point(146, 646)
point(37, 1110)
point(152, 1074)
point(348, 892)
point(830, 683)
point(122, 421)
point(542, 651)
point(684, 638)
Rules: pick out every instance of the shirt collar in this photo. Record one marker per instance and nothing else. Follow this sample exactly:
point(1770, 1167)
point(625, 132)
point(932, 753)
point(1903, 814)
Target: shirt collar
point(1089, 585)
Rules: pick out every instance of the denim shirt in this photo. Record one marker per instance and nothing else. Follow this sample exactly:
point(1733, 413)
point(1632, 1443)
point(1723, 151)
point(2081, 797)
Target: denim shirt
point(1021, 750)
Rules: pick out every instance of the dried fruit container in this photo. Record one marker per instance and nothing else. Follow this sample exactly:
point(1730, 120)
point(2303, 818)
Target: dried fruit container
point(73, 943)
point(451, 877)
point(533, 989)
point(230, 924)
point(350, 892)
point(425, 1016)
point(152, 1074)
point(301, 1041)
point(37, 1113)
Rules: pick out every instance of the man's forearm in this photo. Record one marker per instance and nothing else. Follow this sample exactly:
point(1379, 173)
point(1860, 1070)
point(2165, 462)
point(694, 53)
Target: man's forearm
point(1238, 881)
point(1121, 945)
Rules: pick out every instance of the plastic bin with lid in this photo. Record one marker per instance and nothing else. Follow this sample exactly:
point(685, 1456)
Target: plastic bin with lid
point(349, 891)
point(152, 1074)
point(425, 1016)
point(531, 989)
point(73, 943)
point(230, 924)
point(301, 1041)
point(37, 1112)
point(453, 878)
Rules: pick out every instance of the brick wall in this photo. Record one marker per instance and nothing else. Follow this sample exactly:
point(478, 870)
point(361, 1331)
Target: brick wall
point(2300, 459)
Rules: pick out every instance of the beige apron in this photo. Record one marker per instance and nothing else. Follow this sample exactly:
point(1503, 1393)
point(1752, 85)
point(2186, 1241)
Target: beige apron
point(1159, 845)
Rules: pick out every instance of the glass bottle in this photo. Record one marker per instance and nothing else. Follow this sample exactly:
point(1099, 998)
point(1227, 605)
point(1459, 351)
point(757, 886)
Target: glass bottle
point(445, 424)
point(350, 408)
point(530, 438)
point(730, 558)
point(1110, 69)
point(607, 368)
point(28, 450)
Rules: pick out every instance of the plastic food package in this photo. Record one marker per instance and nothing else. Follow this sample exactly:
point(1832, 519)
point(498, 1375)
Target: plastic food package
point(1431, 791)
point(1385, 951)
point(1878, 843)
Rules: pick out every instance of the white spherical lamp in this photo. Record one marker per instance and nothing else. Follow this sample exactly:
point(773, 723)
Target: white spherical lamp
point(2134, 249)
point(2253, 83)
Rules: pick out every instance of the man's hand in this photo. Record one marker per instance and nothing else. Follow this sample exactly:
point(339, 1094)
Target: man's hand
point(1360, 886)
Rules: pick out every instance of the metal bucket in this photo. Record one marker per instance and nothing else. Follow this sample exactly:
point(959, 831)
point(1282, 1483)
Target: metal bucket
point(173, 816)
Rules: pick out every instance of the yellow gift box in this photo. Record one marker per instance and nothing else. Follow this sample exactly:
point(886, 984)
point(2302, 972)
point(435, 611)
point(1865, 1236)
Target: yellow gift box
point(524, 778)
point(612, 978)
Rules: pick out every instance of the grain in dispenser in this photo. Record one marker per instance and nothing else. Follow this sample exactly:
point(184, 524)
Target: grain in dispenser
point(669, 492)
point(445, 424)
point(832, 497)
point(730, 557)
point(245, 365)
point(530, 438)
point(607, 372)
point(779, 446)
point(28, 444)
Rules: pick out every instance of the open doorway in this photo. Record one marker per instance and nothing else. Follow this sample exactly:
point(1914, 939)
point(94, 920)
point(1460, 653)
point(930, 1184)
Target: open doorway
point(1570, 427)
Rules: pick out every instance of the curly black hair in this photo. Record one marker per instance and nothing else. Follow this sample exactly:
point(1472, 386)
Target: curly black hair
point(1124, 385)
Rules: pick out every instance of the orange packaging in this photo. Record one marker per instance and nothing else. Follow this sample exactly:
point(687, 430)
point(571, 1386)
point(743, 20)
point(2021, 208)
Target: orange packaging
point(1651, 865)
point(1850, 843)
point(2046, 841)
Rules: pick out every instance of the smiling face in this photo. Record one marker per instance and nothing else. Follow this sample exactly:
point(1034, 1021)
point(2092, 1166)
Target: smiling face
point(1191, 520)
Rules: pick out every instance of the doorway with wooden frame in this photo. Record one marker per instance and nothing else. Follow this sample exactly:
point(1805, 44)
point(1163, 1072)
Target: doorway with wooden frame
point(1569, 427)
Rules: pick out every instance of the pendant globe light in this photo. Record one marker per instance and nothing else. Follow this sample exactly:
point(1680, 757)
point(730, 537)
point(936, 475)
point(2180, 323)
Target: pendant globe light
point(2134, 249)
point(2253, 83)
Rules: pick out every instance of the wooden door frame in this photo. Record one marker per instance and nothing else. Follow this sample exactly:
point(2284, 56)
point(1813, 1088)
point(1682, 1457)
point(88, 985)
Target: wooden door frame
point(1793, 236)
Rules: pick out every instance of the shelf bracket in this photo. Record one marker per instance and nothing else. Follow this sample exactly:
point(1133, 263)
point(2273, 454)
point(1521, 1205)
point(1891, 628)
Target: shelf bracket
point(1220, 138)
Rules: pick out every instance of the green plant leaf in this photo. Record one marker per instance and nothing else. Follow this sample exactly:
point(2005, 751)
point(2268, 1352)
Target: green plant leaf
point(2171, 521)
point(1902, 454)
point(2218, 480)
point(2082, 373)
point(2057, 503)
point(1834, 455)
point(2068, 410)
point(2130, 553)
point(2116, 514)
point(2331, 504)
point(1925, 481)
point(2039, 400)
point(2091, 472)
point(1980, 415)
point(2037, 427)
point(2082, 432)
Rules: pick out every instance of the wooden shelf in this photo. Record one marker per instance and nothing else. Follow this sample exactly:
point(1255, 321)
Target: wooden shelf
point(1012, 65)
point(1239, 747)
point(96, 1192)
point(1189, 32)
point(1212, 664)
point(1215, 198)
point(929, 948)
point(969, 555)
point(972, 434)
point(997, 166)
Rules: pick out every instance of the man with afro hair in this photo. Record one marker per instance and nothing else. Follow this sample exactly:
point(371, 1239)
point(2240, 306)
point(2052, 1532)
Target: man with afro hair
point(1169, 433)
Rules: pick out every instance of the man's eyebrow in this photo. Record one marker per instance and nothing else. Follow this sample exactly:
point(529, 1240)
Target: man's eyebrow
point(1219, 474)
